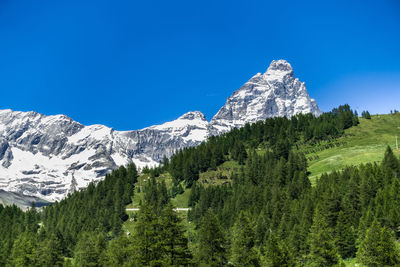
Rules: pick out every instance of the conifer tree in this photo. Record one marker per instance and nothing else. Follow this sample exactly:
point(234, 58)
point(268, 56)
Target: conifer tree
point(368, 186)
point(119, 252)
point(174, 242)
point(276, 253)
point(378, 247)
point(146, 237)
point(163, 197)
point(49, 253)
point(243, 249)
point(366, 115)
point(345, 236)
point(323, 251)
point(212, 244)
point(89, 249)
point(24, 250)
point(390, 162)
point(394, 212)
point(355, 119)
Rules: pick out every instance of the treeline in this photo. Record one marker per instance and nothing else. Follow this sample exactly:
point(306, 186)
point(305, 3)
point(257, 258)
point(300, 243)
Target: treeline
point(275, 134)
point(272, 216)
point(84, 220)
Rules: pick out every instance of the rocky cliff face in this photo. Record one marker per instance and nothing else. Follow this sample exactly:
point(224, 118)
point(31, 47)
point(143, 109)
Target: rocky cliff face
point(50, 156)
point(271, 94)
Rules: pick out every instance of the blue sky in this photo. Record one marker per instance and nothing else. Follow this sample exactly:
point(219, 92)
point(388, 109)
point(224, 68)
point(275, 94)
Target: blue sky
point(132, 64)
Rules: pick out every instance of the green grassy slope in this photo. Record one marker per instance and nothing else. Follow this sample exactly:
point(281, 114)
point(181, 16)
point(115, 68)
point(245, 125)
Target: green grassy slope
point(180, 201)
point(364, 143)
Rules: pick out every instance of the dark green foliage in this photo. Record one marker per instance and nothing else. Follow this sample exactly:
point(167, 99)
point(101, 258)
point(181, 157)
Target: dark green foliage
point(279, 199)
point(156, 194)
point(98, 208)
point(89, 249)
point(12, 225)
point(390, 162)
point(365, 114)
point(160, 240)
point(212, 243)
point(67, 225)
point(345, 236)
point(147, 239)
point(323, 251)
point(174, 241)
point(119, 251)
point(355, 119)
point(276, 253)
point(244, 252)
point(49, 253)
point(378, 247)
point(176, 190)
point(238, 152)
point(24, 250)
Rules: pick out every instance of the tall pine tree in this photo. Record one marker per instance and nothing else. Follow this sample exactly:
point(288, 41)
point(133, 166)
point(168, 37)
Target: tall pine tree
point(244, 252)
point(323, 251)
point(212, 243)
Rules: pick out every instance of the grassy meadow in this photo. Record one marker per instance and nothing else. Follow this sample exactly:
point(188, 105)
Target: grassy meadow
point(363, 143)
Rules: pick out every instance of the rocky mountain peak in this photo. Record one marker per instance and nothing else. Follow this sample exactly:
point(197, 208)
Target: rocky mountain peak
point(193, 115)
point(280, 65)
point(279, 68)
point(276, 93)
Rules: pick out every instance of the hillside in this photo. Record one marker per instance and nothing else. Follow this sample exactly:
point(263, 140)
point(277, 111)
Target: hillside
point(342, 212)
point(364, 143)
point(360, 144)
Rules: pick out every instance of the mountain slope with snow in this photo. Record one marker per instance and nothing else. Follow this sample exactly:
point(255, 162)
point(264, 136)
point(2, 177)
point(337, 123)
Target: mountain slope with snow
point(51, 156)
point(275, 93)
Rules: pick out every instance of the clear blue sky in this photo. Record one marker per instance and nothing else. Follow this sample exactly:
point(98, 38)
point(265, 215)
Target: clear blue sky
point(131, 64)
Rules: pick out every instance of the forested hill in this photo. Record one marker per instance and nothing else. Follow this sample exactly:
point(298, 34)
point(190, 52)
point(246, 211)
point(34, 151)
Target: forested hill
point(276, 135)
point(263, 212)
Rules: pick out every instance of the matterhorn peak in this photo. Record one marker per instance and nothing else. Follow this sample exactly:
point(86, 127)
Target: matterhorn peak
point(276, 93)
point(281, 65)
point(279, 68)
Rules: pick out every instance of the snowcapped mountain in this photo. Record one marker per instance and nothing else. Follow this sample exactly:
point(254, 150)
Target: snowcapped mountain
point(275, 93)
point(50, 156)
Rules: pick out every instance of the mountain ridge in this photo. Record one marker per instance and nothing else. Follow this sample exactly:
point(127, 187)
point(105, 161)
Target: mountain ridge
point(51, 156)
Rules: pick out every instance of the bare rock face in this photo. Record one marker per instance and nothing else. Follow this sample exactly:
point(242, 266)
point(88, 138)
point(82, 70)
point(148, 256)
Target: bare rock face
point(275, 93)
point(50, 156)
